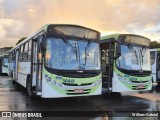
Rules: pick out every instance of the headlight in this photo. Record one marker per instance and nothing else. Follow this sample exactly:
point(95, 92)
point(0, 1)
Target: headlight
point(48, 79)
point(59, 85)
point(53, 82)
point(128, 81)
point(97, 82)
point(149, 81)
point(124, 80)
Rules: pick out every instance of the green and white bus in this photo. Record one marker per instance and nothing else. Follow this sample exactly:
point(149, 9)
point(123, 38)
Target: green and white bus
point(59, 60)
point(125, 62)
point(155, 62)
point(4, 64)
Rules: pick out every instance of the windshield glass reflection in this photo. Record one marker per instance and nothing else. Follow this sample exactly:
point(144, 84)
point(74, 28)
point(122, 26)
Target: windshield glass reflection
point(72, 54)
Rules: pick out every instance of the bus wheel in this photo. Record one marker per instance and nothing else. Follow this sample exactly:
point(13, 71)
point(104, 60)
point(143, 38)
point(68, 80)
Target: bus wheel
point(28, 86)
point(13, 82)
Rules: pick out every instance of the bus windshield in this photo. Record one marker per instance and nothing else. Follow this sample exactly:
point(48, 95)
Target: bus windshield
point(5, 61)
point(134, 58)
point(72, 54)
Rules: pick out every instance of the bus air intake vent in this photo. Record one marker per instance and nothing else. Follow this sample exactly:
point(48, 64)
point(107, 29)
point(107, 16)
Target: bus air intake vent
point(79, 75)
point(139, 81)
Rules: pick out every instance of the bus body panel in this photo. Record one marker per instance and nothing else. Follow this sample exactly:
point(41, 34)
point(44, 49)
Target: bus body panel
point(57, 87)
point(23, 71)
point(49, 91)
point(122, 83)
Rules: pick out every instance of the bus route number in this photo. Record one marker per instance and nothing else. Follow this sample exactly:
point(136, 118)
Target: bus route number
point(70, 81)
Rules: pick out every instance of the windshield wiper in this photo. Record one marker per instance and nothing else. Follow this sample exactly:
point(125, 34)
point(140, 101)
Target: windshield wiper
point(74, 49)
point(88, 44)
point(141, 51)
point(131, 49)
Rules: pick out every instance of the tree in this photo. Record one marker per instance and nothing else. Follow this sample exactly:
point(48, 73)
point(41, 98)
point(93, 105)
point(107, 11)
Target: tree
point(154, 44)
point(7, 48)
point(20, 40)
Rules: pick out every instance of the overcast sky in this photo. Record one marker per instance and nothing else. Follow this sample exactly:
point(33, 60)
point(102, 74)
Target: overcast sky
point(20, 18)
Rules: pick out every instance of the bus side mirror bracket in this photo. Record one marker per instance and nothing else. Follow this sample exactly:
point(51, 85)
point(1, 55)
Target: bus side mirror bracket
point(118, 50)
point(43, 44)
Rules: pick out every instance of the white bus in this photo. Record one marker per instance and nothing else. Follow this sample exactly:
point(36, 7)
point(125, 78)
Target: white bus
point(58, 61)
point(155, 62)
point(4, 64)
point(125, 62)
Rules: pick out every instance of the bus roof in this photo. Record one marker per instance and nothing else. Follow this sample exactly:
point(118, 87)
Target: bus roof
point(4, 55)
point(45, 28)
point(155, 49)
point(116, 36)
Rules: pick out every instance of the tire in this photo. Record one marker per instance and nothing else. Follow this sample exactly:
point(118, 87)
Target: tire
point(13, 82)
point(11, 74)
point(28, 87)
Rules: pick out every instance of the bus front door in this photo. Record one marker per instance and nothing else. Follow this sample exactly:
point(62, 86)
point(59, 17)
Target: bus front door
point(107, 66)
point(36, 68)
point(158, 67)
point(16, 65)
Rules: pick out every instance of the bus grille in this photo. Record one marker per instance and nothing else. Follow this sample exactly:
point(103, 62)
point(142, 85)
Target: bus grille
point(138, 81)
point(85, 84)
point(139, 74)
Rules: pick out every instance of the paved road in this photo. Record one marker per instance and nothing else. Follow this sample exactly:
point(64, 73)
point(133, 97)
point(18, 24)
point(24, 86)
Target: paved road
point(14, 98)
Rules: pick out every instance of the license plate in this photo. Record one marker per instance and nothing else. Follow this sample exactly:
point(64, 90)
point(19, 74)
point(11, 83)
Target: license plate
point(140, 86)
point(78, 90)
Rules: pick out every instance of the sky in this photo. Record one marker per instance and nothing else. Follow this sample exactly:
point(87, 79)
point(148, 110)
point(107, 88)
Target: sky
point(21, 18)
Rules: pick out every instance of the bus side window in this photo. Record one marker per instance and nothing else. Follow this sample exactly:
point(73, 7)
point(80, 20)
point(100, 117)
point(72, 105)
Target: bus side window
point(25, 52)
point(29, 45)
point(29, 50)
point(20, 52)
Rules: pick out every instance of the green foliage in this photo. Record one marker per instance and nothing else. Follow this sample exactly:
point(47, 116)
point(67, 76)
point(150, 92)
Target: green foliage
point(20, 40)
point(8, 48)
point(155, 44)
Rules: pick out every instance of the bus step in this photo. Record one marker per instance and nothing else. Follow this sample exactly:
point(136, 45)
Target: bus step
point(105, 82)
